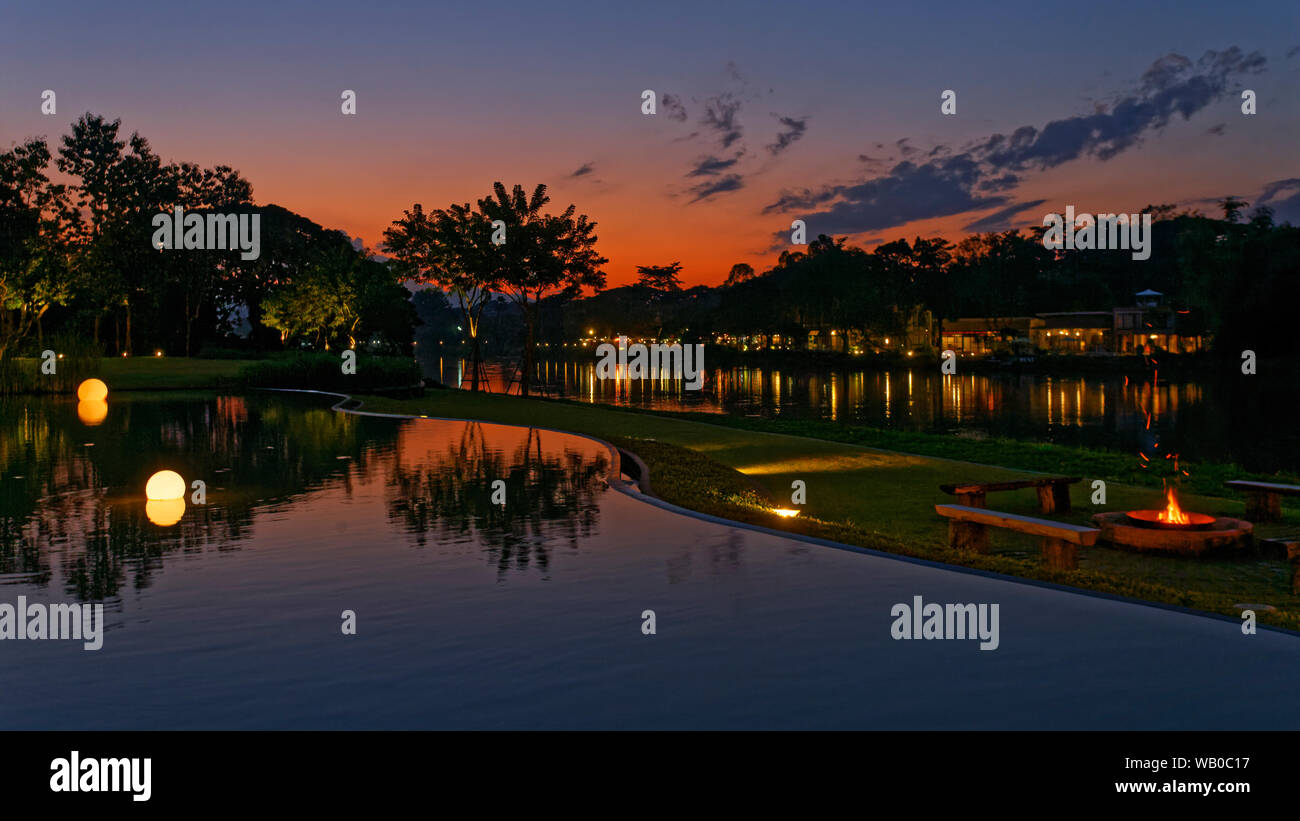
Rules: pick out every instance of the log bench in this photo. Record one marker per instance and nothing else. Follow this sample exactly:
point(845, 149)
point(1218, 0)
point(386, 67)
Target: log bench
point(1053, 491)
point(968, 530)
point(1293, 559)
point(1264, 499)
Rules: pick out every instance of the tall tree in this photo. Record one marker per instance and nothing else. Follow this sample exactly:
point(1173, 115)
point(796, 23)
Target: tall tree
point(451, 248)
point(342, 299)
point(740, 272)
point(543, 254)
point(1232, 208)
point(664, 278)
point(34, 256)
point(92, 154)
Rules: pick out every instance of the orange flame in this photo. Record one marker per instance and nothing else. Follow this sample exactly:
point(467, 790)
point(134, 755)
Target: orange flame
point(1173, 514)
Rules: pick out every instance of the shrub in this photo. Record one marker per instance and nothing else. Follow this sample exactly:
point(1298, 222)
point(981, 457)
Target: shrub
point(323, 372)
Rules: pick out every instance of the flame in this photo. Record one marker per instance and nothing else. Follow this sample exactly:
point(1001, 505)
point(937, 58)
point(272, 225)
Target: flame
point(1173, 514)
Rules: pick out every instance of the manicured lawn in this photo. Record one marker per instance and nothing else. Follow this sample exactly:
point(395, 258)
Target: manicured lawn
point(884, 500)
point(166, 372)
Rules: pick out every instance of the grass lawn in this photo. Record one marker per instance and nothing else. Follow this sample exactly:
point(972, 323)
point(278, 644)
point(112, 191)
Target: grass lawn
point(884, 500)
point(138, 373)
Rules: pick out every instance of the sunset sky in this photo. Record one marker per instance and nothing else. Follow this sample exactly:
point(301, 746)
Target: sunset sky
point(829, 112)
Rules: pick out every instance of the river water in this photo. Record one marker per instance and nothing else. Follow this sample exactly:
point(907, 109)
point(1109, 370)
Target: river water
point(1249, 420)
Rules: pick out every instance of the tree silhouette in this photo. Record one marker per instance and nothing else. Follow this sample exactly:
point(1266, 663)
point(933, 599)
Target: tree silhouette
point(452, 249)
point(740, 272)
point(34, 257)
point(543, 254)
point(665, 278)
point(549, 495)
point(1232, 208)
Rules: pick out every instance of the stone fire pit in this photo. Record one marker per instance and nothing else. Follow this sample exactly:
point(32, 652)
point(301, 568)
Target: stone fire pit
point(1221, 535)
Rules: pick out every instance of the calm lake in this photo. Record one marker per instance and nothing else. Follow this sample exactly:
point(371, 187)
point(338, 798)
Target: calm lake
point(1250, 420)
point(471, 614)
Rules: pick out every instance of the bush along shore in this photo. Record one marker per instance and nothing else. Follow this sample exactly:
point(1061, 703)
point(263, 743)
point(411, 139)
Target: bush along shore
point(312, 371)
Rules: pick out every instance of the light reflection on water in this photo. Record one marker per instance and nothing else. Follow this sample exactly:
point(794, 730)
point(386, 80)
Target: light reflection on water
point(470, 615)
point(1203, 420)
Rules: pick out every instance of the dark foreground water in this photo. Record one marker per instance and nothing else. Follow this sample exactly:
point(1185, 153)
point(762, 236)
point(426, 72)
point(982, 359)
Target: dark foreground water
point(470, 615)
point(1228, 417)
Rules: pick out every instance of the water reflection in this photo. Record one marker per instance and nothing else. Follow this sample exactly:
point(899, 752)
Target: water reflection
point(73, 513)
point(550, 491)
point(72, 503)
point(1210, 419)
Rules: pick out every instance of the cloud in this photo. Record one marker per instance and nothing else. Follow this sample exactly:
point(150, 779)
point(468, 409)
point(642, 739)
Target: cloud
point(803, 199)
point(908, 192)
point(721, 116)
point(723, 168)
point(712, 166)
point(1003, 182)
point(792, 130)
point(982, 174)
point(1283, 196)
point(586, 169)
point(673, 108)
point(1001, 220)
point(1173, 85)
point(1217, 130)
point(705, 190)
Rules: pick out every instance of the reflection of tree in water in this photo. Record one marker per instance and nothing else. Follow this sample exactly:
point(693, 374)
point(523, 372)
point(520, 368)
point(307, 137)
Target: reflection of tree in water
point(550, 497)
point(76, 517)
point(725, 555)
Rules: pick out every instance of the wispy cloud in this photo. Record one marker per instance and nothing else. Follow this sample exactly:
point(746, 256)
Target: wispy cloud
point(673, 107)
point(728, 161)
point(983, 173)
point(1283, 197)
point(791, 130)
point(705, 190)
point(1000, 220)
point(712, 166)
point(722, 117)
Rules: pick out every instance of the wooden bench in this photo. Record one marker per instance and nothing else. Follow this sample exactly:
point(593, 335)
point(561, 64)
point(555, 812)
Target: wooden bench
point(1292, 554)
point(1053, 491)
point(968, 530)
point(1264, 499)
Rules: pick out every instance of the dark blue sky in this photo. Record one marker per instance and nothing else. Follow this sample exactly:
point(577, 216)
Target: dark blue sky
point(791, 110)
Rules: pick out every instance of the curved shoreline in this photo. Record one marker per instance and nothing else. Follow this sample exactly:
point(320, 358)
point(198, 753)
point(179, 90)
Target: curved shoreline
point(614, 480)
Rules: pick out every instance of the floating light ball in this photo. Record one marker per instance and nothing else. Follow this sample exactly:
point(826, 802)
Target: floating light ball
point(92, 389)
point(92, 411)
point(164, 512)
point(163, 485)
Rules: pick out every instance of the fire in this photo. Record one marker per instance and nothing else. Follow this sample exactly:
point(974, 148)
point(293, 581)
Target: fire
point(1173, 514)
